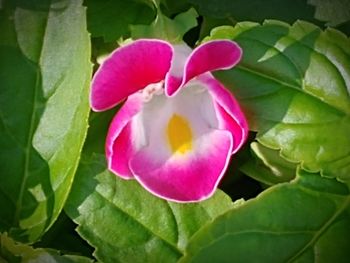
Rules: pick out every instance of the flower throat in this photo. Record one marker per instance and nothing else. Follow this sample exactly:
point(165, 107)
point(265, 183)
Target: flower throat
point(179, 134)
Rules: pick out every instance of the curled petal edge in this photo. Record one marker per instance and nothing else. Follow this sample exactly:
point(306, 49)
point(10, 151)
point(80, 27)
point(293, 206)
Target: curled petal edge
point(210, 56)
point(119, 146)
point(230, 114)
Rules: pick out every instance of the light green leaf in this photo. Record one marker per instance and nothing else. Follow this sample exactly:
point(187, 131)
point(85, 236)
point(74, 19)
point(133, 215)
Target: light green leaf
point(268, 167)
point(165, 28)
point(303, 221)
point(293, 83)
point(125, 223)
point(10, 251)
point(334, 12)
point(111, 19)
point(44, 75)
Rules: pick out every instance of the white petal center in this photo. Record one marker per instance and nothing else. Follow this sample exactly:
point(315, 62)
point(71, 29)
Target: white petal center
point(172, 125)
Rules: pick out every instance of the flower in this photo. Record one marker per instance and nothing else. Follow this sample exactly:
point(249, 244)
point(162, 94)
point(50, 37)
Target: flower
point(179, 126)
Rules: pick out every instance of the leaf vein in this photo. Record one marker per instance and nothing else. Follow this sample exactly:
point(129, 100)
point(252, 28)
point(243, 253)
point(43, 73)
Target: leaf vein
point(322, 229)
point(173, 246)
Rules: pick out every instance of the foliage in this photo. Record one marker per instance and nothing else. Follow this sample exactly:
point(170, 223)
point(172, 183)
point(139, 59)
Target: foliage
point(293, 84)
point(137, 227)
point(45, 73)
point(286, 218)
point(15, 252)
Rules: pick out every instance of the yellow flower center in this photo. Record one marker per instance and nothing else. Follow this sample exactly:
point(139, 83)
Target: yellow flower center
point(179, 134)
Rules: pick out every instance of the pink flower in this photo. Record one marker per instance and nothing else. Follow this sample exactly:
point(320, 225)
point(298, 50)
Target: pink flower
point(179, 126)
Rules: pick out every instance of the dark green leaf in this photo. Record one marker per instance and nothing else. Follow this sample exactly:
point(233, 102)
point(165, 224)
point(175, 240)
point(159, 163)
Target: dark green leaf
point(125, 223)
point(303, 221)
point(293, 83)
point(172, 7)
point(111, 19)
point(63, 237)
point(334, 12)
point(44, 75)
point(256, 10)
point(13, 252)
point(268, 167)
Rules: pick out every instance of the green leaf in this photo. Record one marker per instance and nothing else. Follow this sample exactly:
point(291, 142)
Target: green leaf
point(44, 75)
point(303, 221)
point(10, 251)
point(256, 10)
point(334, 12)
point(165, 28)
point(125, 223)
point(111, 19)
point(293, 84)
point(268, 167)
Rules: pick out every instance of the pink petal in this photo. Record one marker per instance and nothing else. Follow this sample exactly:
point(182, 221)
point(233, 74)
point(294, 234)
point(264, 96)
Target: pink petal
point(210, 56)
point(129, 69)
point(186, 178)
point(119, 143)
point(229, 113)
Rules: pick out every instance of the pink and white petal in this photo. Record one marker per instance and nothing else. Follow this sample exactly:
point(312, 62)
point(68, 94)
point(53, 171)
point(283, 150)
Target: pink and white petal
point(188, 177)
point(129, 69)
point(174, 77)
point(120, 144)
point(229, 113)
point(210, 56)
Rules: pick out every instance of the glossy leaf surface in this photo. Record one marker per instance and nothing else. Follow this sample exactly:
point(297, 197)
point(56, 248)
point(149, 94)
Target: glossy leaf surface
point(307, 220)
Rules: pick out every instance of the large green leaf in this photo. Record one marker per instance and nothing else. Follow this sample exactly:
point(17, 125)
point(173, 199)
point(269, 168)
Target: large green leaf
point(44, 76)
point(111, 19)
point(307, 220)
point(125, 223)
point(293, 83)
point(13, 252)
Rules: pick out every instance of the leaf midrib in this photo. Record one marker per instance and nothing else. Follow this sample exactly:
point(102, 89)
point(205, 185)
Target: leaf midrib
point(295, 66)
point(28, 151)
point(322, 229)
point(246, 68)
point(173, 246)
